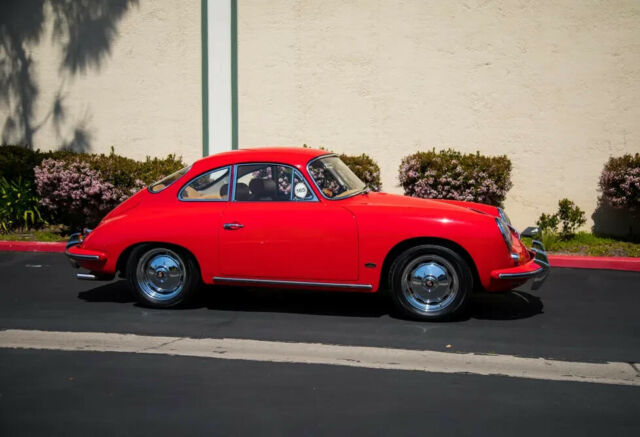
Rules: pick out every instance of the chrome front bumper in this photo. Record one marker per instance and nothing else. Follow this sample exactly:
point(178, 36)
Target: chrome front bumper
point(537, 275)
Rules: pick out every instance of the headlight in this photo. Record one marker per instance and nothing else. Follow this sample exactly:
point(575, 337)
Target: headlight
point(506, 233)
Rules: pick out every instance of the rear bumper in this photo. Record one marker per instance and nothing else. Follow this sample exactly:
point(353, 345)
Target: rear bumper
point(534, 272)
point(92, 260)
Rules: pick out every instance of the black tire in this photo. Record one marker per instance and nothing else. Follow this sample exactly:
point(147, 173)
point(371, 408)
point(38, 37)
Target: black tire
point(176, 267)
point(442, 283)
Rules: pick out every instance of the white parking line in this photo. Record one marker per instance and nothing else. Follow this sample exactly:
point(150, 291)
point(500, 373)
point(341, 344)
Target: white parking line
point(617, 373)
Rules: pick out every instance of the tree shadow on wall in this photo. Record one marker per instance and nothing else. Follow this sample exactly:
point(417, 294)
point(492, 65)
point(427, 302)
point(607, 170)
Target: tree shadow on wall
point(84, 30)
point(616, 223)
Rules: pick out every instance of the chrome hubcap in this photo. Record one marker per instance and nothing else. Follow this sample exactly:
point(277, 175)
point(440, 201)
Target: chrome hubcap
point(160, 274)
point(429, 283)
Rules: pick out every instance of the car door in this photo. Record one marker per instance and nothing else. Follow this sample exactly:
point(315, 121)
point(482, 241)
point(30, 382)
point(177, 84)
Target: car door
point(203, 200)
point(276, 228)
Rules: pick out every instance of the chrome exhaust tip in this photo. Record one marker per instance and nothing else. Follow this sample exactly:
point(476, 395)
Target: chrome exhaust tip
point(86, 276)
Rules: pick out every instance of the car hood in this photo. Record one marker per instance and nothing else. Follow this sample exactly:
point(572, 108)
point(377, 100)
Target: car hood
point(398, 201)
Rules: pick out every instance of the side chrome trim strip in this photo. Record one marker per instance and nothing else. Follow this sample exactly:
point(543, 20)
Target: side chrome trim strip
point(301, 283)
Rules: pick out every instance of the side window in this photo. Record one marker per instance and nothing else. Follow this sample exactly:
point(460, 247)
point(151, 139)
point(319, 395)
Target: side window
point(211, 186)
point(301, 190)
point(270, 182)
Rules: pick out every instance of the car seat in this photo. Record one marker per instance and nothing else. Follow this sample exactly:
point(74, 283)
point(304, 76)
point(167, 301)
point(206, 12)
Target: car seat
point(262, 189)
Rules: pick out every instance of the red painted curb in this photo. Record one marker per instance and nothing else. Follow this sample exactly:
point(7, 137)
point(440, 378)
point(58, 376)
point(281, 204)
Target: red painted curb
point(595, 262)
point(31, 246)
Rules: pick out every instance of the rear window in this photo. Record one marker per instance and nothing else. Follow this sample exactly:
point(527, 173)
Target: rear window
point(163, 183)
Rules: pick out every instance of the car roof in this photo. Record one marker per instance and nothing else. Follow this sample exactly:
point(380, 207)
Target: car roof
point(295, 156)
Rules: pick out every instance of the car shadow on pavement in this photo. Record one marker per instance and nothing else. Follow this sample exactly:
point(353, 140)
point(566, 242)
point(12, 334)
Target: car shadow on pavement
point(116, 292)
point(489, 306)
point(350, 304)
point(509, 305)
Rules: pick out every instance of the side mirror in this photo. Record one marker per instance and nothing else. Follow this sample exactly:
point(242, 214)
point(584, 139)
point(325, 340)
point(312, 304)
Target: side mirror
point(531, 232)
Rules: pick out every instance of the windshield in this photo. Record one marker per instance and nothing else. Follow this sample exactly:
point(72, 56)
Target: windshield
point(163, 183)
point(334, 179)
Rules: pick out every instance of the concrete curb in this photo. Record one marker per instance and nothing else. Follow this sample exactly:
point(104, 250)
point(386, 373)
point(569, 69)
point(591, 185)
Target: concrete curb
point(572, 261)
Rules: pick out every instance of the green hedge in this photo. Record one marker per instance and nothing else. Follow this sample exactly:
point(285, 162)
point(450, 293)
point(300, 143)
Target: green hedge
point(18, 161)
point(123, 175)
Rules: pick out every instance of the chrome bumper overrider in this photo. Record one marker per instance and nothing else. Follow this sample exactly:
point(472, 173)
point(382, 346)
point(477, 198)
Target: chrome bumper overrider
point(539, 275)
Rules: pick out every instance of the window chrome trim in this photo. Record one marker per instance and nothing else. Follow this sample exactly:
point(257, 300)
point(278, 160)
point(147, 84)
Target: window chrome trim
point(504, 216)
point(184, 187)
point(167, 186)
point(300, 283)
point(364, 190)
point(506, 234)
point(235, 180)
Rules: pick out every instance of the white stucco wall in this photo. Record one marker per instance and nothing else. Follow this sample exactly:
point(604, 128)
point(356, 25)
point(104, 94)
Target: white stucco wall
point(144, 98)
point(552, 84)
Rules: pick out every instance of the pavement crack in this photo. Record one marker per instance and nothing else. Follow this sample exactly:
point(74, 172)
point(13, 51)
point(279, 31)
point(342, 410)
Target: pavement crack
point(162, 344)
point(635, 367)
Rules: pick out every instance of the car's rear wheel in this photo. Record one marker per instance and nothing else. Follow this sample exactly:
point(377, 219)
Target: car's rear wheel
point(162, 276)
point(430, 282)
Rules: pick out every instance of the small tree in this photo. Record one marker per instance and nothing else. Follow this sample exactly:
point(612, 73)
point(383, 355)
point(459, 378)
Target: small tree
point(569, 216)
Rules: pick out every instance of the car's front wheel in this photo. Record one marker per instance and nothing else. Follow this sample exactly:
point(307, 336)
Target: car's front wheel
point(430, 282)
point(162, 276)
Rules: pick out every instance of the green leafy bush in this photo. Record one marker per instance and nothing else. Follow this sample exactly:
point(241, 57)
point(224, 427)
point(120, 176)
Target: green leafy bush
point(18, 205)
point(548, 222)
point(569, 217)
point(620, 182)
point(449, 174)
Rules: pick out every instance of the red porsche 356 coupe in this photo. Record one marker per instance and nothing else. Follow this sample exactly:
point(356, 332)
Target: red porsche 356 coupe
point(294, 217)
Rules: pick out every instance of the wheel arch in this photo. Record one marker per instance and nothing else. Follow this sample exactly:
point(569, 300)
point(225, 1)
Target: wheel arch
point(417, 241)
point(121, 264)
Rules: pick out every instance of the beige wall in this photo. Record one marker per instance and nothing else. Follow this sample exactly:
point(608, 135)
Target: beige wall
point(138, 89)
point(555, 85)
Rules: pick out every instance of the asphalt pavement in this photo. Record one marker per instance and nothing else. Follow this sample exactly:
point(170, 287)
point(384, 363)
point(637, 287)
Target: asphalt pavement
point(588, 316)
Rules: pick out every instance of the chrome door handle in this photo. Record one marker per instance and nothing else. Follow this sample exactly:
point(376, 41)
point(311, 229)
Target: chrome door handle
point(232, 226)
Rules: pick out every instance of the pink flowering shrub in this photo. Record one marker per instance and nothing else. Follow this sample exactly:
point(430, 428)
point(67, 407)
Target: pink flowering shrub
point(449, 174)
point(620, 182)
point(75, 194)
